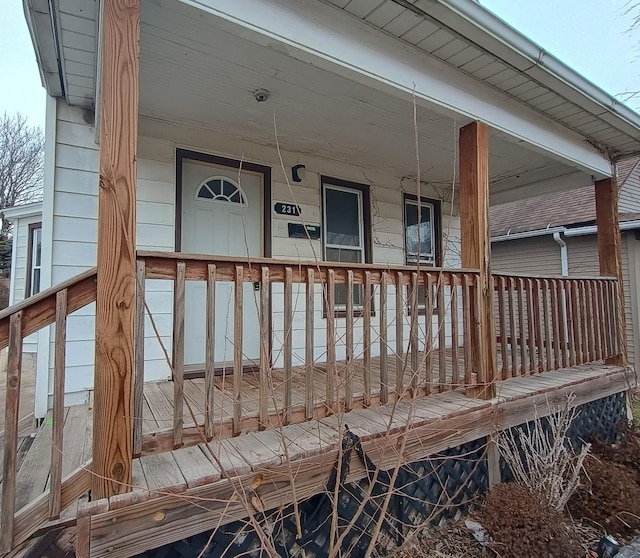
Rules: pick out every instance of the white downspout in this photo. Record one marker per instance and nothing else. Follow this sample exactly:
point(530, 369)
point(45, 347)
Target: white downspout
point(564, 262)
point(564, 256)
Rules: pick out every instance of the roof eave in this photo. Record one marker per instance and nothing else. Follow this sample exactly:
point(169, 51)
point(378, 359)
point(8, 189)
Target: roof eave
point(45, 42)
point(496, 36)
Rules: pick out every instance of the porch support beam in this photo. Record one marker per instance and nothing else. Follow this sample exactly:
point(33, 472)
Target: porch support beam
point(610, 252)
point(476, 249)
point(115, 299)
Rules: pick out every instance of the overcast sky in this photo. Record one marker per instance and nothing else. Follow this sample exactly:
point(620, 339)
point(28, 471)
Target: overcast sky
point(591, 36)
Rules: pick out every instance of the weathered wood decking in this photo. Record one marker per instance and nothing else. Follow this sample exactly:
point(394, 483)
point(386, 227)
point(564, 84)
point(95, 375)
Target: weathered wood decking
point(263, 463)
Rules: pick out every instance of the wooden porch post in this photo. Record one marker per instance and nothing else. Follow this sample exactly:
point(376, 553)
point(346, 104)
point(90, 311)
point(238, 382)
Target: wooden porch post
point(476, 249)
point(113, 389)
point(610, 253)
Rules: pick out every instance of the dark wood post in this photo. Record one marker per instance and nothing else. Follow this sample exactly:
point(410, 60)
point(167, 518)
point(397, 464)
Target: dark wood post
point(115, 301)
point(610, 253)
point(476, 249)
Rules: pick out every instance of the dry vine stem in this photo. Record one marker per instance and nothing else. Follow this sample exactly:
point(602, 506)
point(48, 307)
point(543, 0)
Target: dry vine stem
point(541, 458)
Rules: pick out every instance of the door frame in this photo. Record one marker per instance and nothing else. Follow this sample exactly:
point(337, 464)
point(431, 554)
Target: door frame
point(263, 170)
point(182, 154)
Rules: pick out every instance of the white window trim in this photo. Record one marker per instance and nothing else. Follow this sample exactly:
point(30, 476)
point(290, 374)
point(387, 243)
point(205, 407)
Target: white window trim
point(32, 264)
point(361, 247)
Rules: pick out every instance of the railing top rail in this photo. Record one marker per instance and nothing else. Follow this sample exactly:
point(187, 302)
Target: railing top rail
point(156, 257)
point(557, 277)
point(40, 310)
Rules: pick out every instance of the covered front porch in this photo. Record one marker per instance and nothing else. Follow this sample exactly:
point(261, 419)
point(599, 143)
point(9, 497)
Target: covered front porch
point(233, 343)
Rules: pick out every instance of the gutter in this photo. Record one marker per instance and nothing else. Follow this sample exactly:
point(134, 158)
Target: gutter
point(593, 229)
point(527, 234)
point(491, 34)
point(46, 41)
point(578, 231)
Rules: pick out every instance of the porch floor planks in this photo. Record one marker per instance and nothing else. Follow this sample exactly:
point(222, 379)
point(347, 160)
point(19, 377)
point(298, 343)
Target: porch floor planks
point(185, 468)
point(33, 475)
point(196, 468)
point(162, 473)
point(75, 447)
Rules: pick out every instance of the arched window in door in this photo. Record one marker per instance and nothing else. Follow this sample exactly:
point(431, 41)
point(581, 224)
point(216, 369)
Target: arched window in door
point(221, 189)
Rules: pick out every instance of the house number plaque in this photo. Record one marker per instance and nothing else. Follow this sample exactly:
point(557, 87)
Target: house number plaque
point(287, 209)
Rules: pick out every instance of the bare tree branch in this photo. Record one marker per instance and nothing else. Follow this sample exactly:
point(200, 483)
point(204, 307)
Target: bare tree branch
point(21, 163)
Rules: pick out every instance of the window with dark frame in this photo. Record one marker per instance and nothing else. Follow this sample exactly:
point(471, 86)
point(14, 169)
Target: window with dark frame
point(421, 237)
point(346, 230)
point(34, 259)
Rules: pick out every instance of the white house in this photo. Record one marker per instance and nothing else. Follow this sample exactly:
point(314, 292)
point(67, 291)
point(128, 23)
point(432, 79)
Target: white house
point(272, 188)
point(26, 257)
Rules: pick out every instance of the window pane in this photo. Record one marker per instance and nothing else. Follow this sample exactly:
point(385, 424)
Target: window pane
point(425, 228)
point(205, 193)
point(344, 255)
point(37, 248)
point(35, 281)
point(343, 217)
point(347, 256)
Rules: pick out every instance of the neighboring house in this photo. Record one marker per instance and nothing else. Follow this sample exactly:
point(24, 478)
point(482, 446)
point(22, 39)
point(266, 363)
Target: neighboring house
point(555, 234)
point(26, 257)
point(240, 244)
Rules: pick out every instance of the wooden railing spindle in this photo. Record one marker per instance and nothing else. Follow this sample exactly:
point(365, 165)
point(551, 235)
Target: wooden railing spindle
point(384, 369)
point(531, 326)
point(468, 328)
point(55, 484)
point(210, 354)
point(178, 354)
point(349, 343)
point(428, 332)
point(238, 316)
point(308, 345)
point(502, 321)
point(413, 331)
point(512, 328)
point(332, 373)
point(455, 374)
point(538, 322)
point(288, 347)
point(442, 334)
point(555, 325)
point(548, 342)
point(138, 372)
point(264, 381)
point(522, 335)
point(366, 334)
point(12, 407)
point(590, 316)
point(399, 334)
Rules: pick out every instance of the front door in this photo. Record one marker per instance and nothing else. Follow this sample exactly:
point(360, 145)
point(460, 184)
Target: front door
point(221, 216)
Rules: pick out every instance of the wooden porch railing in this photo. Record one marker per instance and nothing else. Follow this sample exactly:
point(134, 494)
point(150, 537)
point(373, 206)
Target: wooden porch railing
point(17, 322)
point(548, 323)
point(412, 325)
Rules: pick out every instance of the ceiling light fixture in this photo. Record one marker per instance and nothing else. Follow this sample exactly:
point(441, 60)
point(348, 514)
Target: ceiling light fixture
point(261, 95)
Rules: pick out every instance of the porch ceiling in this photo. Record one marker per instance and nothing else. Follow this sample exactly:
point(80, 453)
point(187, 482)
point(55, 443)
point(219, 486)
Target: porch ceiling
point(196, 75)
